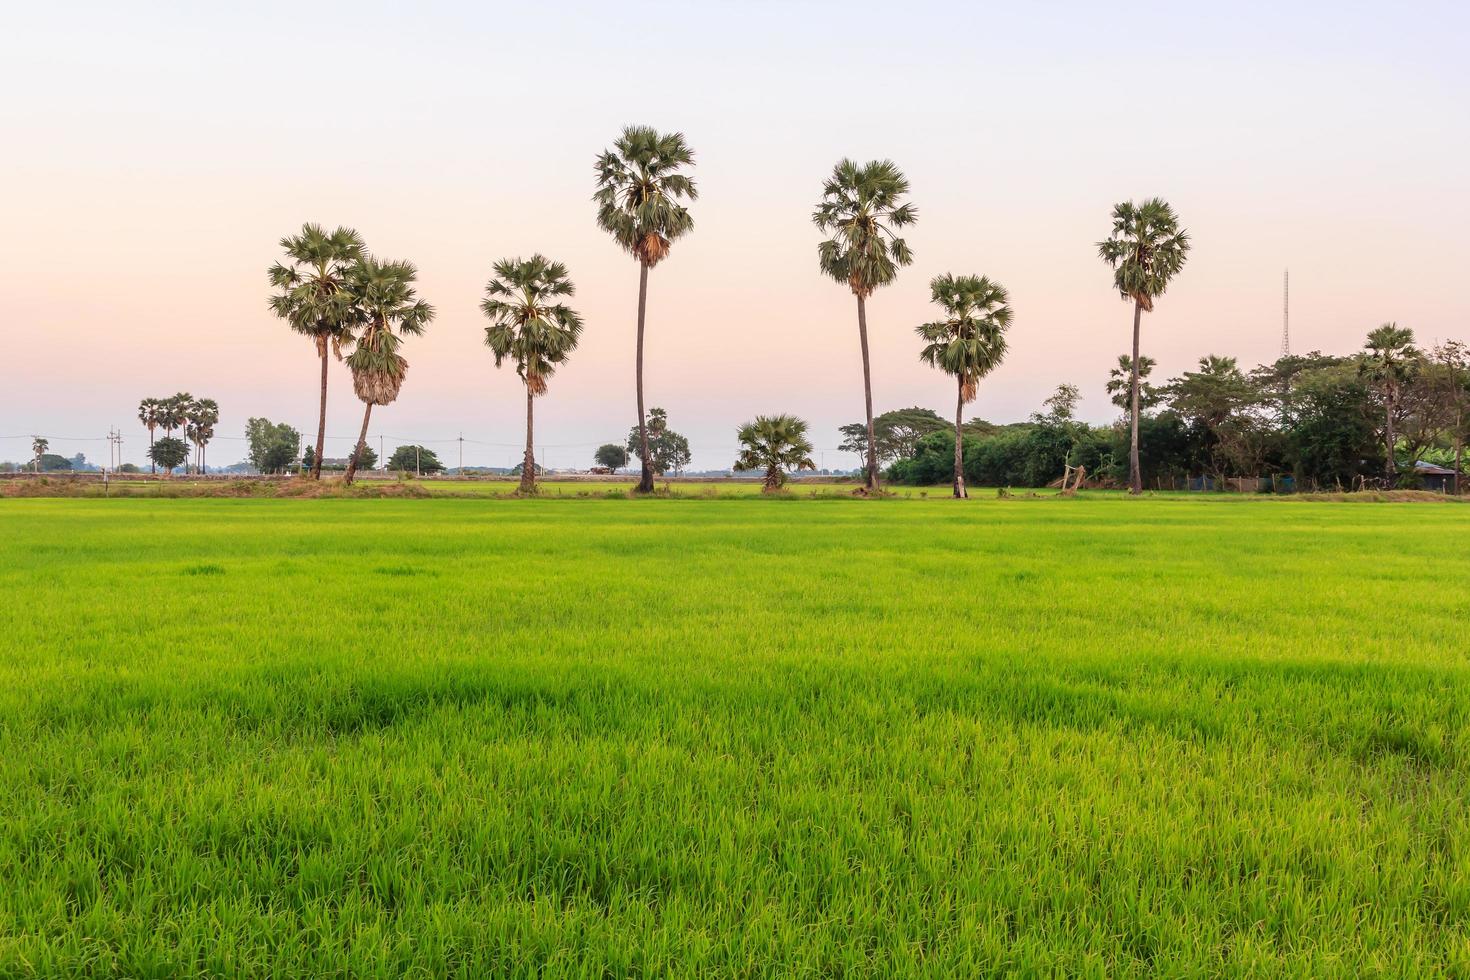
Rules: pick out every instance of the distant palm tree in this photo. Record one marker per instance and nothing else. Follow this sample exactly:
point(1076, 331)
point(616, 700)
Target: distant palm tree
point(312, 299)
point(149, 411)
point(861, 209)
point(968, 343)
point(640, 188)
point(1389, 362)
point(1120, 383)
point(173, 412)
point(203, 416)
point(1146, 249)
point(774, 443)
point(528, 326)
point(38, 449)
point(383, 300)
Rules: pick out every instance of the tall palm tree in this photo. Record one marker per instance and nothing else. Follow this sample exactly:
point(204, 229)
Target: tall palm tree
point(38, 449)
point(776, 444)
point(173, 412)
point(313, 300)
point(861, 209)
point(149, 410)
point(1389, 362)
point(529, 326)
point(383, 301)
point(203, 416)
point(968, 343)
point(1147, 248)
point(640, 187)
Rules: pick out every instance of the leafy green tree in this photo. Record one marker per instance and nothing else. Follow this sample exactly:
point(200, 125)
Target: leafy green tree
point(667, 450)
point(129, 468)
point(895, 433)
point(1452, 360)
point(1120, 384)
point(1389, 363)
point(967, 344)
point(1331, 437)
point(415, 459)
point(612, 456)
point(775, 444)
point(1146, 250)
point(311, 296)
point(530, 327)
point(385, 308)
point(1227, 405)
point(272, 447)
point(52, 463)
point(861, 208)
point(150, 411)
point(641, 188)
point(169, 453)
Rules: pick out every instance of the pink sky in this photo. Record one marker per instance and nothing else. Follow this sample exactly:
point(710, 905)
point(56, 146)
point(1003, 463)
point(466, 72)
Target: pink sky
point(155, 155)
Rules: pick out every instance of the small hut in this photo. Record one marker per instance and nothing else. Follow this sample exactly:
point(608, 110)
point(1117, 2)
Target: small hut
point(1434, 478)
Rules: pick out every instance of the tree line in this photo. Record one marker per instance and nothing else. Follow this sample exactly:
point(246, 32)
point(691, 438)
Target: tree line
point(196, 417)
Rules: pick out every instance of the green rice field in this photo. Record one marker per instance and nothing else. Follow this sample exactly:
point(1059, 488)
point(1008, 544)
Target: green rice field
point(734, 737)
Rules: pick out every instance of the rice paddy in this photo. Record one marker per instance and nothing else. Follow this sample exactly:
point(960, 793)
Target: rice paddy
point(733, 737)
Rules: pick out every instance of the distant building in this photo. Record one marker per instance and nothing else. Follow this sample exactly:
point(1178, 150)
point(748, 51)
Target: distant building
point(1435, 478)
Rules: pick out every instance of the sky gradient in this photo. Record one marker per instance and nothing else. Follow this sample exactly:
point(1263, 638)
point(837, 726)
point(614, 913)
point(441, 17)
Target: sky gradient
point(156, 153)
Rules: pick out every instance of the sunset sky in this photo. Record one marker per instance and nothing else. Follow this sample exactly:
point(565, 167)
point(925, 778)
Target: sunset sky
point(155, 153)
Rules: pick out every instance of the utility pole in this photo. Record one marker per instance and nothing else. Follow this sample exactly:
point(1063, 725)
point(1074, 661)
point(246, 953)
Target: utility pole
point(416, 470)
point(1286, 313)
point(460, 472)
point(382, 460)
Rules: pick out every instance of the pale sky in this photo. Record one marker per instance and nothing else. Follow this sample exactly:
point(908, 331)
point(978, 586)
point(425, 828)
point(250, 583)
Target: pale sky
point(155, 153)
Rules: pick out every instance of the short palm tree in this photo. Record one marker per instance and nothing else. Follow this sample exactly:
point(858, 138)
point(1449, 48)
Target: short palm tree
point(861, 208)
point(530, 327)
point(776, 444)
point(311, 297)
point(38, 449)
point(1146, 250)
point(385, 309)
point(968, 343)
point(149, 410)
point(640, 189)
point(1389, 362)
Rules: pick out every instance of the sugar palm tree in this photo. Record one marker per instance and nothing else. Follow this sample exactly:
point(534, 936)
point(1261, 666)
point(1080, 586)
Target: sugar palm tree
point(1389, 363)
point(385, 309)
point(38, 449)
point(1146, 250)
point(311, 297)
point(968, 343)
point(530, 327)
point(203, 416)
point(861, 208)
point(173, 412)
point(640, 189)
point(149, 410)
point(776, 444)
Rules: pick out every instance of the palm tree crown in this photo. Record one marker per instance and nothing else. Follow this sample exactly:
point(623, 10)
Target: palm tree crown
point(311, 284)
point(640, 189)
point(861, 208)
point(383, 300)
point(776, 444)
point(527, 325)
point(1146, 249)
point(970, 341)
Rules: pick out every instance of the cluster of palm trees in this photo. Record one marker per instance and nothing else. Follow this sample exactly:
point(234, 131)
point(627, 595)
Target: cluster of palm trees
point(197, 417)
point(330, 289)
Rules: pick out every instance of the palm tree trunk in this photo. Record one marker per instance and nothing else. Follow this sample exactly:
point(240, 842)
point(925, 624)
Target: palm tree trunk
point(528, 464)
point(1459, 459)
point(870, 481)
point(361, 445)
point(959, 445)
point(1135, 472)
point(1390, 466)
point(773, 479)
point(152, 466)
point(645, 481)
point(321, 420)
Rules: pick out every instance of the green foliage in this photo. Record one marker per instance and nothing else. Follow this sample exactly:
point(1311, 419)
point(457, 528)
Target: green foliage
point(169, 453)
point(273, 447)
point(776, 444)
point(1332, 438)
point(862, 207)
point(52, 463)
point(641, 188)
point(895, 433)
point(526, 324)
point(970, 341)
point(414, 459)
point(612, 456)
point(1146, 250)
point(669, 450)
point(311, 285)
point(1120, 383)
